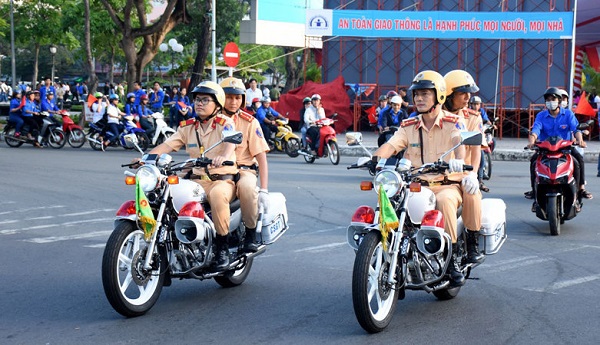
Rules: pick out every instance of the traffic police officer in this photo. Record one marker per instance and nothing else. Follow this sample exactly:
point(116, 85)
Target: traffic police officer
point(251, 155)
point(218, 180)
point(425, 137)
point(459, 86)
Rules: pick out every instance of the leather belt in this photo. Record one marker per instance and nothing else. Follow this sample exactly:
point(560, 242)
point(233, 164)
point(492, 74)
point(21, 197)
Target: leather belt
point(214, 177)
point(249, 167)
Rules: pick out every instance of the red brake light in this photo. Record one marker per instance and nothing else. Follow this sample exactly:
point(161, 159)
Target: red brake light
point(127, 209)
point(192, 209)
point(364, 214)
point(433, 218)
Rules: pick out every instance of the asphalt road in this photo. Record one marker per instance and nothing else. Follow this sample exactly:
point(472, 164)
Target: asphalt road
point(56, 211)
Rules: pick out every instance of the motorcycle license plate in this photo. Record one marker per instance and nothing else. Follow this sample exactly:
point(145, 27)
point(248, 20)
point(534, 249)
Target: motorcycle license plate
point(271, 232)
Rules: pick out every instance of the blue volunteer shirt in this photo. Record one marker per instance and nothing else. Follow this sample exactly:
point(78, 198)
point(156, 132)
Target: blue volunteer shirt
point(262, 113)
point(562, 125)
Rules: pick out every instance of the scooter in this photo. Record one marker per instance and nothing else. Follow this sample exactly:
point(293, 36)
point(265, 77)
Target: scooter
point(74, 132)
point(328, 146)
point(363, 163)
point(488, 131)
point(128, 129)
point(162, 131)
point(8, 135)
point(284, 140)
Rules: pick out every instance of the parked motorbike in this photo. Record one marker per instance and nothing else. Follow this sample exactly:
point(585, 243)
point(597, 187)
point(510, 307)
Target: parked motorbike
point(284, 139)
point(138, 263)
point(363, 163)
point(162, 131)
point(488, 132)
point(416, 254)
point(129, 129)
point(555, 188)
point(328, 146)
point(74, 132)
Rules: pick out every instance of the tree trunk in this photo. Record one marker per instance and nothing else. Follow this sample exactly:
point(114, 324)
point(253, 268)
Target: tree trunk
point(292, 70)
point(36, 59)
point(203, 44)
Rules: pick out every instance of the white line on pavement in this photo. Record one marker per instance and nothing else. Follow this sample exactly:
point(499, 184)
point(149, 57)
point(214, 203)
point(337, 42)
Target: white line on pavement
point(32, 209)
point(321, 247)
point(66, 224)
point(567, 283)
point(68, 238)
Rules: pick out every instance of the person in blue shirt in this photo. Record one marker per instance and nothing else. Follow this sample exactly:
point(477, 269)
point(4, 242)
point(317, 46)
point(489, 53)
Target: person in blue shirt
point(138, 91)
point(556, 121)
point(391, 116)
point(157, 98)
point(46, 88)
point(266, 117)
point(49, 106)
point(15, 112)
point(32, 108)
point(145, 113)
point(130, 108)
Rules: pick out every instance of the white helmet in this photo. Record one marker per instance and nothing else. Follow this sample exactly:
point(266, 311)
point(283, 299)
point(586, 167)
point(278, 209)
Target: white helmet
point(396, 100)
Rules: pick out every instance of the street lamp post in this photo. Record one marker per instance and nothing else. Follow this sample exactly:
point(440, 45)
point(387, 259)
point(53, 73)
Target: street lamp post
point(175, 48)
point(52, 52)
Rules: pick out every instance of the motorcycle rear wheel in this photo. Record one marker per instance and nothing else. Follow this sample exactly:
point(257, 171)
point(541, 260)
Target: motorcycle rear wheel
point(309, 159)
point(236, 277)
point(487, 165)
point(57, 138)
point(374, 303)
point(130, 289)
point(11, 142)
point(94, 145)
point(143, 141)
point(333, 151)
point(76, 138)
point(553, 215)
point(292, 146)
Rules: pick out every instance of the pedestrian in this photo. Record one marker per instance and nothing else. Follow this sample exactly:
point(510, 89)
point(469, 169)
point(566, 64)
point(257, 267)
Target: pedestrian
point(252, 92)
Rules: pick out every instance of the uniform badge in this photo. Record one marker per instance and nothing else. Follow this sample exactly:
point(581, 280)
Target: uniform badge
point(228, 127)
point(259, 133)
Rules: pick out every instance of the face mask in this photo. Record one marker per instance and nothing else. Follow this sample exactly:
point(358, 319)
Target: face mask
point(564, 104)
point(552, 105)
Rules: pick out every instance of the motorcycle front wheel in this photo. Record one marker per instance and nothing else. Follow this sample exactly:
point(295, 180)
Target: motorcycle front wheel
point(96, 146)
point(130, 289)
point(292, 146)
point(333, 151)
point(236, 277)
point(487, 165)
point(553, 215)
point(57, 138)
point(374, 300)
point(76, 138)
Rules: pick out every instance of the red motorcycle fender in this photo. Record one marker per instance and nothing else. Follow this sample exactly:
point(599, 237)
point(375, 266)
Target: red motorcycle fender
point(127, 211)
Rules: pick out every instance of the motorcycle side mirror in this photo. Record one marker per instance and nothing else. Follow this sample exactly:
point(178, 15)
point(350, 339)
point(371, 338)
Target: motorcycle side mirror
point(471, 138)
point(233, 137)
point(353, 138)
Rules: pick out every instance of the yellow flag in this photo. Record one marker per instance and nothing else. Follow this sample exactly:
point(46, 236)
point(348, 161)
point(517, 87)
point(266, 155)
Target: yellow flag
point(144, 212)
point(387, 216)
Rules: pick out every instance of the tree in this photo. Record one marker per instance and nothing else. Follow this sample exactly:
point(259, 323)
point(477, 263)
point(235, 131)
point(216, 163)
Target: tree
point(151, 35)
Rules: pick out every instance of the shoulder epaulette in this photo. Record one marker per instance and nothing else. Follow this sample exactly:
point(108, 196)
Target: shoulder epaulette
point(450, 118)
point(409, 122)
point(187, 122)
point(246, 116)
point(469, 112)
point(220, 120)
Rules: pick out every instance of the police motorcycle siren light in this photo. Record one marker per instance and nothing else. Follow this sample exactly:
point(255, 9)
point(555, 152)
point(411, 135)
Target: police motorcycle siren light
point(430, 237)
point(190, 226)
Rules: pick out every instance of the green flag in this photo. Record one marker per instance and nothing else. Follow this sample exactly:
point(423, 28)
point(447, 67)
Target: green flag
point(387, 216)
point(144, 212)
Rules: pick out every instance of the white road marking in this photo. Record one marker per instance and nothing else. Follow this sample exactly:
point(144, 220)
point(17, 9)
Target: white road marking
point(567, 283)
point(8, 221)
point(73, 214)
point(100, 245)
point(32, 209)
point(68, 238)
point(66, 224)
point(321, 247)
point(517, 263)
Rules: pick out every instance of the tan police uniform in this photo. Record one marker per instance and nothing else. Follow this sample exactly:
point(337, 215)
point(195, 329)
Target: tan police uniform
point(436, 141)
point(473, 123)
point(219, 183)
point(253, 144)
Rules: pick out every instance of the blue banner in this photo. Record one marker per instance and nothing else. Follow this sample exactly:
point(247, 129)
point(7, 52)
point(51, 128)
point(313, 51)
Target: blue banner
point(440, 24)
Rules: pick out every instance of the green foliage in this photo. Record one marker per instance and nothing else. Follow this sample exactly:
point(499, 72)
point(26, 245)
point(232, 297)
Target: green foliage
point(313, 73)
point(592, 79)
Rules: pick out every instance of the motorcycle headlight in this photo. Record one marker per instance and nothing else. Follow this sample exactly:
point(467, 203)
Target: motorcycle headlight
point(148, 176)
point(390, 180)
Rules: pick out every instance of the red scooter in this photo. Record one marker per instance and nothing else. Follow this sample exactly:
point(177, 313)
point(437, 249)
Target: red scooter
point(75, 135)
point(555, 188)
point(328, 146)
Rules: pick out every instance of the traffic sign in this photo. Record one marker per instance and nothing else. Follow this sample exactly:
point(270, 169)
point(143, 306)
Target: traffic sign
point(231, 54)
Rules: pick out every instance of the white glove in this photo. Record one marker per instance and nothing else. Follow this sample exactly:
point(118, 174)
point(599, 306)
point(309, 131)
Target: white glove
point(456, 165)
point(470, 183)
point(263, 200)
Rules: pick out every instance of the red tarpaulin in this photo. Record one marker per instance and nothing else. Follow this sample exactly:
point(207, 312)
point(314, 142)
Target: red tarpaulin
point(333, 97)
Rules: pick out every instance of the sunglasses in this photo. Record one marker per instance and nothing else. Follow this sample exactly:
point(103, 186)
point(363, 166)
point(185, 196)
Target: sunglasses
point(203, 100)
